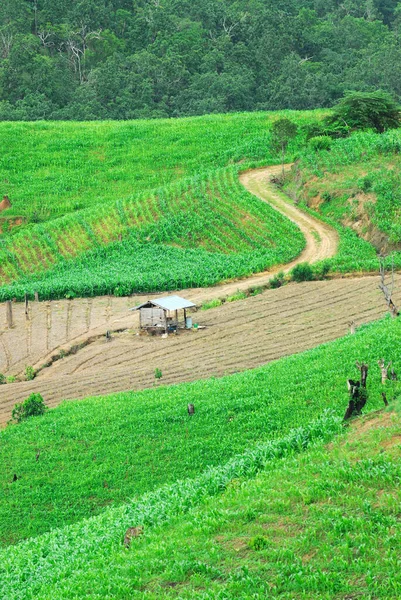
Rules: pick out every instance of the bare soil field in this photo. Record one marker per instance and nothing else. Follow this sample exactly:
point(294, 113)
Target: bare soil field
point(237, 336)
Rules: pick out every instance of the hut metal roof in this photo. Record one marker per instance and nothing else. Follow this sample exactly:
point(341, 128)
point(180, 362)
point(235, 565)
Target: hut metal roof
point(167, 303)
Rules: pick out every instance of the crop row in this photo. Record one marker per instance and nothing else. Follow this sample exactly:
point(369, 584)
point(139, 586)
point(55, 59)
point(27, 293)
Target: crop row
point(31, 568)
point(195, 233)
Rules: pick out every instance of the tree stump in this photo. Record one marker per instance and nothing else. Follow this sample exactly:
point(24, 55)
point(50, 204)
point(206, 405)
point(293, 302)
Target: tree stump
point(131, 534)
point(9, 314)
point(384, 369)
point(191, 409)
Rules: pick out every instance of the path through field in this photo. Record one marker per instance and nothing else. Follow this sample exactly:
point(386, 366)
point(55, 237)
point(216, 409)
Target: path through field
point(238, 335)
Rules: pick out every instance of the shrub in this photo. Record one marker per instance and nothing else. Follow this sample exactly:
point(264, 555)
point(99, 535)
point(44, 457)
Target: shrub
point(277, 281)
point(33, 406)
point(11, 379)
point(2, 379)
point(259, 542)
point(238, 296)
point(302, 272)
point(29, 373)
point(365, 183)
point(322, 270)
point(158, 374)
point(320, 142)
point(327, 197)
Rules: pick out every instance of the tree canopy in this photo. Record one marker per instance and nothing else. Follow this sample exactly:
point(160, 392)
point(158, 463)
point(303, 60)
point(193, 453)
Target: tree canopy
point(364, 110)
point(124, 59)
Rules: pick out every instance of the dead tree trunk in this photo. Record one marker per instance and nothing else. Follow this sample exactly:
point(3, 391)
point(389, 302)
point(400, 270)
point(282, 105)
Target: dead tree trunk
point(352, 327)
point(358, 393)
point(384, 396)
point(384, 369)
point(9, 314)
point(364, 372)
point(388, 289)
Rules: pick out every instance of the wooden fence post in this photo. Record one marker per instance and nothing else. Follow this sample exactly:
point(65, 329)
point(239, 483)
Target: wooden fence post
point(9, 310)
point(26, 306)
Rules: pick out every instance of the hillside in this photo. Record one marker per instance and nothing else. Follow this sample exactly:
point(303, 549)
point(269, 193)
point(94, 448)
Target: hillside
point(86, 195)
point(95, 455)
point(104, 450)
point(355, 184)
point(321, 525)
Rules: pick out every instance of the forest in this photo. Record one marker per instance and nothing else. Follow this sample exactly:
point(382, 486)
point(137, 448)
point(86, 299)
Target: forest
point(133, 59)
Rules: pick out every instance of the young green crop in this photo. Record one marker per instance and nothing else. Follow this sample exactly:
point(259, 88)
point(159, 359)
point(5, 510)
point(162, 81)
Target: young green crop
point(99, 452)
point(195, 233)
point(76, 187)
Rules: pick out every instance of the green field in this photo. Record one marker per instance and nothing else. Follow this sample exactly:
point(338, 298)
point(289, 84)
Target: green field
point(194, 233)
point(79, 187)
point(97, 455)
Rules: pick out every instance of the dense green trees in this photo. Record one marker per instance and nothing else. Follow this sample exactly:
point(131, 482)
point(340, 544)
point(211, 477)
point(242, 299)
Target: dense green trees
point(93, 59)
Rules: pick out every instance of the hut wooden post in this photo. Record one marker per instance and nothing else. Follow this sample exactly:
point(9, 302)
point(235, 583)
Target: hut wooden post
point(185, 318)
point(9, 313)
point(165, 322)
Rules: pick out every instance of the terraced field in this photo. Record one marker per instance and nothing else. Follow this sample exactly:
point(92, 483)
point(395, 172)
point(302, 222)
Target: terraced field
point(238, 336)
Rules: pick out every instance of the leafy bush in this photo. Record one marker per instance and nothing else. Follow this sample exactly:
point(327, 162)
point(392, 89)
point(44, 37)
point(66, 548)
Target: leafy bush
point(238, 296)
point(277, 281)
point(29, 373)
point(211, 304)
point(320, 142)
point(2, 379)
point(33, 406)
point(327, 197)
point(158, 374)
point(322, 269)
point(365, 183)
point(302, 272)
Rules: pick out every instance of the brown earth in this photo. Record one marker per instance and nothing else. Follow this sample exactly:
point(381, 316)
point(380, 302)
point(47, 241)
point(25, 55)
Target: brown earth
point(238, 335)
point(5, 203)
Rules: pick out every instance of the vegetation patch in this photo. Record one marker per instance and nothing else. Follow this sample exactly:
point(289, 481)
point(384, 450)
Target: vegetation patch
point(103, 451)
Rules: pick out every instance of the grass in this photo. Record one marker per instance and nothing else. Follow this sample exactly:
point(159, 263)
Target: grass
point(83, 456)
point(322, 525)
point(77, 188)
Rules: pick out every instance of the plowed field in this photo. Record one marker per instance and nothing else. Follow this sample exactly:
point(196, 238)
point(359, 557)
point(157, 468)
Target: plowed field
point(237, 336)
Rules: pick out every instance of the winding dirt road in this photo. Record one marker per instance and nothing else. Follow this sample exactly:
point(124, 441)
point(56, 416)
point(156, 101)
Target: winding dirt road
point(239, 336)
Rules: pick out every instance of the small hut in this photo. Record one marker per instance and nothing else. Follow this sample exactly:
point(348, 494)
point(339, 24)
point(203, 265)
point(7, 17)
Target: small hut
point(163, 314)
